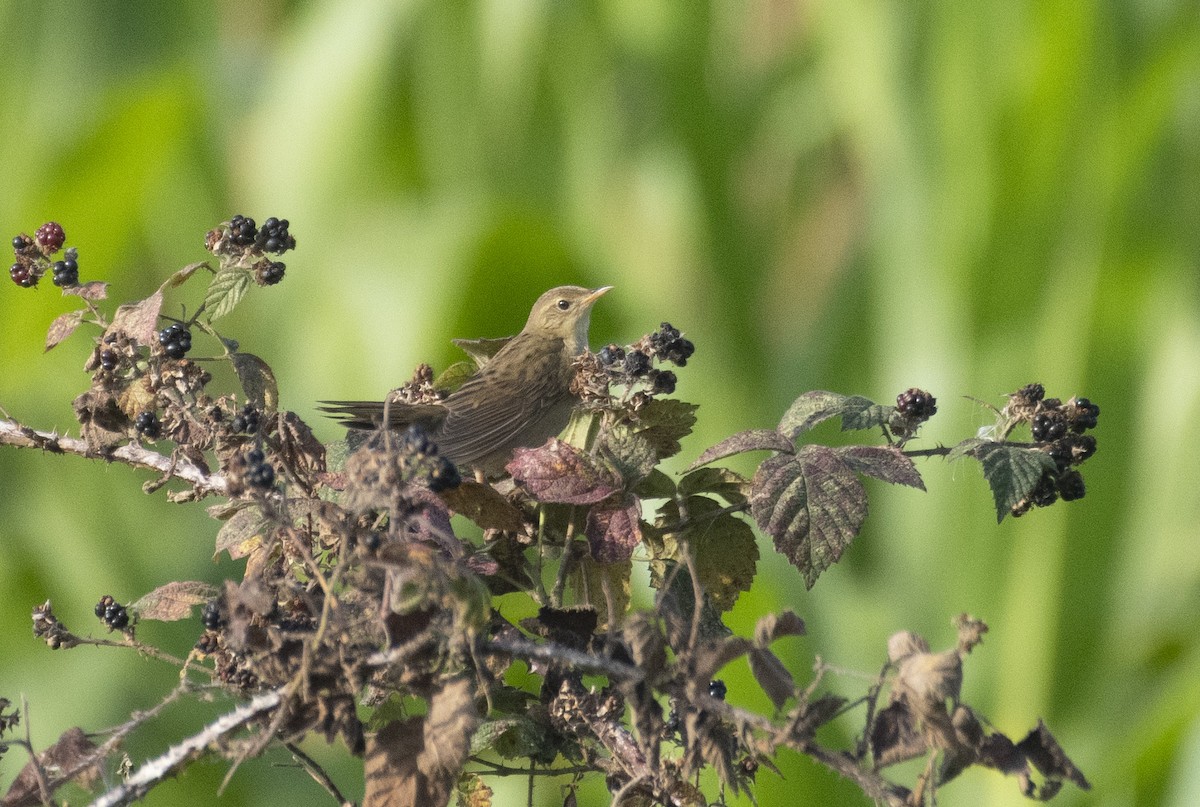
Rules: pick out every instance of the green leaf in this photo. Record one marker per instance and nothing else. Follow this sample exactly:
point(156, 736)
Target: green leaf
point(656, 485)
point(729, 485)
point(1011, 472)
point(226, 290)
point(630, 453)
point(663, 422)
point(723, 545)
point(812, 505)
point(817, 406)
point(749, 440)
point(454, 376)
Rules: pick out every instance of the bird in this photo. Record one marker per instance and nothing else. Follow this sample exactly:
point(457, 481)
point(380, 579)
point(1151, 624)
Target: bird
point(521, 397)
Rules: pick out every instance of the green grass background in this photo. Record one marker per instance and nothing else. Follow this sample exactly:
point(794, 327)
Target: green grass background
point(859, 196)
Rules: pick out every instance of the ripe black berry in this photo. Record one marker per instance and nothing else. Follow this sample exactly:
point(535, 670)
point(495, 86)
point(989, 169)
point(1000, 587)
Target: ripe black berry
point(176, 340)
point(259, 473)
point(1070, 486)
point(611, 354)
point(1048, 426)
point(112, 613)
point(66, 272)
point(50, 237)
point(637, 363)
point(662, 382)
point(148, 425)
point(23, 245)
point(212, 615)
point(916, 404)
point(247, 422)
point(23, 275)
point(108, 360)
point(268, 273)
point(274, 236)
point(717, 689)
point(1083, 414)
point(242, 231)
point(668, 345)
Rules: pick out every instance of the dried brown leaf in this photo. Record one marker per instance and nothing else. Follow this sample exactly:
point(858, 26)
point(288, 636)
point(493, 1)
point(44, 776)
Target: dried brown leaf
point(483, 505)
point(772, 676)
point(139, 321)
point(173, 601)
point(63, 326)
point(257, 380)
point(72, 749)
point(775, 626)
point(93, 291)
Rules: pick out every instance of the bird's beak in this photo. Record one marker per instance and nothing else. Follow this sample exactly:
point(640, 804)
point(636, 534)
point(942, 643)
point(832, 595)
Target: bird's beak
point(596, 295)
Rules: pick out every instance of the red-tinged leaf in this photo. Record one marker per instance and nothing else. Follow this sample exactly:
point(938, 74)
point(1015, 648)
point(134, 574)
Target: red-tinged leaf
point(173, 601)
point(812, 505)
point(883, 462)
point(63, 326)
point(93, 291)
point(613, 531)
point(139, 321)
point(558, 473)
point(772, 676)
point(749, 440)
point(1011, 472)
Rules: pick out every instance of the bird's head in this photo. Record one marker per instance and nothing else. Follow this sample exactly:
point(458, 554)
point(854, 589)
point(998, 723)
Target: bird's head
point(565, 312)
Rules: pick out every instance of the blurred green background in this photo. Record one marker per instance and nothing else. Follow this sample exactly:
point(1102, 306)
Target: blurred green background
point(859, 196)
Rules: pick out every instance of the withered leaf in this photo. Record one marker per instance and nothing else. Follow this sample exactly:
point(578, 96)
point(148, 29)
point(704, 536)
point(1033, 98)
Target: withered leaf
point(894, 736)
point(883, 462)
point(302, 453)
point(812, 505)
point(775, 626)
point(483, 505)
point(180, 277)
point(808, 716)
point(241, 533)
point(772, 676)
point(591, 582)
point(1011, 472)
point(749, 440)
point(139, 321)
point(557, 472)
point(227, 288)
point(714, 654)
point(647, 643)
point(173, 601)
point(93, 291)
point(1042, 749)
point(613, 530)
point(257, 380)
point(70, 750)
point(62, 327)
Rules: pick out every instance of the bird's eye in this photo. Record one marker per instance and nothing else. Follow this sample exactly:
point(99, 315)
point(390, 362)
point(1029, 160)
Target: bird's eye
point(563, 305)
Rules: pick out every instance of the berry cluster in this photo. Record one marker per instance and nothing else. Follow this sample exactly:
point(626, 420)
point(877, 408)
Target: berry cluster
point(148, 425)
point(268, 272)
point(1058, 429)
point(176, 340)
point(272, 237)
point(213, 615)
point(247, 421)
point(916, 404)
point(112, 613)
point(32, 258)
point(634, 363)
point(259, 473)
point(420, 462)
point(668, 345)
point(717, 689)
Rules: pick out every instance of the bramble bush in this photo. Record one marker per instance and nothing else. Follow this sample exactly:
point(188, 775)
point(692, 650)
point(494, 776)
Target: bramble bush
point(362, 598)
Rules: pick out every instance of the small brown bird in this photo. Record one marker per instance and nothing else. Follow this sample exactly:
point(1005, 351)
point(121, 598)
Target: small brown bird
point(520, 397)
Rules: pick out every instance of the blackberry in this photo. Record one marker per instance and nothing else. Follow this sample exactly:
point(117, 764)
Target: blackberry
point(443, 475)
point(23, 275)
point(637, 363)
point(148, 425)
point(669, 345)
point(212, 615)
point(679, 352)
point(259, 474)
point(50, 237)
point(246, 422)
point(662, 382)
point(1029, 394)
point(66, 272)
point(1083, 414)
point(102, 606)
point(1045, 493)
point(268, 273)
point(242, 231)
point(274, 236)
point(1048, 426)
point(112, 613)
point(717, 689)
point(108, 360)
point(23, 245)
point(1070, 486)
point(916, 404)
point(176, 340)
point(611, 354)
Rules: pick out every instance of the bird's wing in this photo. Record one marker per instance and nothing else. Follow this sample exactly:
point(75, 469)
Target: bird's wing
point(482, 419)
point(369, 414)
